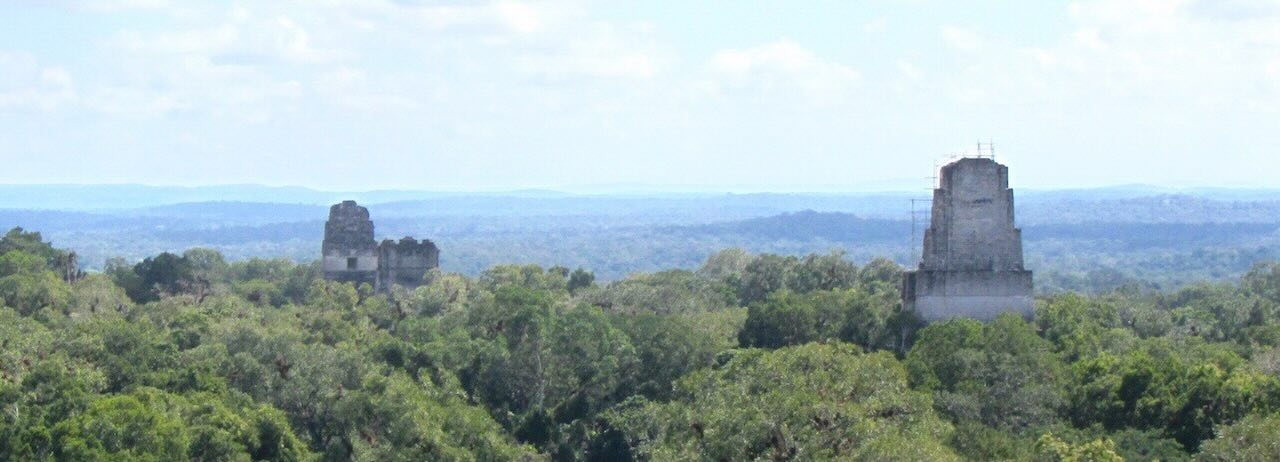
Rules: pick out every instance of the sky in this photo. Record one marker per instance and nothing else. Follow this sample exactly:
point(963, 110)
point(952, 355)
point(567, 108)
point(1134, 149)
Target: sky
point(577, 95)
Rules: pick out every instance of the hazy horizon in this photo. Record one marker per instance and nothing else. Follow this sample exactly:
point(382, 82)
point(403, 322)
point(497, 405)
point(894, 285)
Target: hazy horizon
point(640, 189)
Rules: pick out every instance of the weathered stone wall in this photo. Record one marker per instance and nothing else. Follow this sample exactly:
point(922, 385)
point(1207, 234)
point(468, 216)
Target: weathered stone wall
point(979, 295)
point(972, 226)
point(349, 253)
point(972, 262)
point(406, 262)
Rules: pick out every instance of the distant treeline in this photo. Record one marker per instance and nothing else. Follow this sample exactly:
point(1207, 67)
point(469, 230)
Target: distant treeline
point(1069, 238)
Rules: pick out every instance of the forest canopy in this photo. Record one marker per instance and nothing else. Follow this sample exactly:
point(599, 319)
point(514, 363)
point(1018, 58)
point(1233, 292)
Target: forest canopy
point(750, 357)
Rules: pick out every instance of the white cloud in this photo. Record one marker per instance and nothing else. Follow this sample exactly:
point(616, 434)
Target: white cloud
point(293, 43)
point(113, 5)
point(240, 33)
point(241, 62)
point(961, 39)
point(456, 74)
point(590, 61)
point(909, 70)
point(388, 54)
point(1125, 52)
point(132, 102)
point(504, 16)
point(1233, 10)
point(194, 85)
point(876, 26)
point(1171, 49)
point(352, 89)
point(597, 49)
point(25, 84)
point(520, 17)
point(782, 67)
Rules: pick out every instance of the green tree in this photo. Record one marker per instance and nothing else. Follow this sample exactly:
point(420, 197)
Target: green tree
point(881, 273)
point(726, 264)
point(1263, 280)
point(665, 292)
point(852, 315)
point(823, 272)
point(1051, 449)
point(260, 292)
point(233, 428)
point(395, 419)
point(527, 276)
point(668, 347)
point(96, 294)
point(1251, 439)
point(139, 426)
point(164, 274)
point(443, 293)
point(31, 243)
point(783, 318)
point(580, 279)
point(1184, 387)
point(809, 402)
point(764, 275)
point(1078, 327)
point(16, 262)
point(1001, 373)
point(31, 292)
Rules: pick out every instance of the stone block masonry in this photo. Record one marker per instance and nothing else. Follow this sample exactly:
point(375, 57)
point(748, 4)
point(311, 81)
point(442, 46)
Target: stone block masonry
point(972, 262)
point(405, 262)
point(350, 254)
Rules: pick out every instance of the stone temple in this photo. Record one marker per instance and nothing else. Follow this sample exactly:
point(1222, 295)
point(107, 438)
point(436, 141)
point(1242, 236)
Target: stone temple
point(972, 261)
point(350, 254)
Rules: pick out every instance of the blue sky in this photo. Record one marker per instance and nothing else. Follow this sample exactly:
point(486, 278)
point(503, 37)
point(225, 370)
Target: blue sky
point(656, 95)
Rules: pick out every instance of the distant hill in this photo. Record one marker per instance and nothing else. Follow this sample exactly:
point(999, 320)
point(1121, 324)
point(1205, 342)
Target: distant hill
point(132, 196)
point(842, 227)
point(220, 214)
point(808, 225)
point(1146, 209)
point(1152, 237)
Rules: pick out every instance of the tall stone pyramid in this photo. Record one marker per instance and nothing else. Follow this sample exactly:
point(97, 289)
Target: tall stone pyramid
point(972, 261)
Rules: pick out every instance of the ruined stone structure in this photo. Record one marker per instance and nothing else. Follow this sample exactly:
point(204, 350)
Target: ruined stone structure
point(972, 261)
point(405, 262)
point(350, 254)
